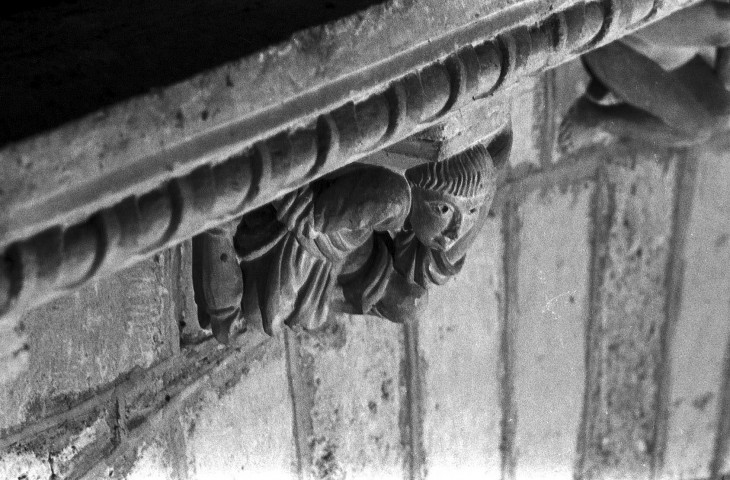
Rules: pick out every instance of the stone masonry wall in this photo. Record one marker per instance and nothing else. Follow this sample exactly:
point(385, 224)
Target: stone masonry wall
point(586, 337)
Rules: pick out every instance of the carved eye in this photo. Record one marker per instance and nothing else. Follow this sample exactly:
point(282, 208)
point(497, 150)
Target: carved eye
point(440, 208)
point(474, 210)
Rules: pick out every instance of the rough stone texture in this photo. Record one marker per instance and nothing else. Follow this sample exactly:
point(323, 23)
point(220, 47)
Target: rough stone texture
point(64, 451)
point(152, 464)
point(350, 415)
point(700, 336)
point(395, 161)
point(24, 465)
point(82, 449)
point(14, 355)
point(88, 339)
point(473, 123)
point(122, 144)
point(459, 341)
point(552, 305)
point(186, 309)
point(528, 117)
point(569, 81)
point(131, 147)
point(630, 313)
point(243, 428)
point(160, 455)
point(540, 40)
point(358, 397)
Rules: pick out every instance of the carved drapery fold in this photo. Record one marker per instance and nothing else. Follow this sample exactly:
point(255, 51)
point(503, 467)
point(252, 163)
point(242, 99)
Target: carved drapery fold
point(59, 259)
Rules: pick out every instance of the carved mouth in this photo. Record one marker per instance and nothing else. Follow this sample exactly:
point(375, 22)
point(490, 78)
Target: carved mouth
point(443, 243)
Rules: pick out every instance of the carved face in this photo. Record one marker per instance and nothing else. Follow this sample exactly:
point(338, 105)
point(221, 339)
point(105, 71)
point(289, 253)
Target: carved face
point(440, 219)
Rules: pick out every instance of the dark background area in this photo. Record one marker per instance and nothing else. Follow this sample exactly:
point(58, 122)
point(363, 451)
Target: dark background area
point(64, 59)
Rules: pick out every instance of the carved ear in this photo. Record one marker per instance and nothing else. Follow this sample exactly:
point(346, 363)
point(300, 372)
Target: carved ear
point(501, 146)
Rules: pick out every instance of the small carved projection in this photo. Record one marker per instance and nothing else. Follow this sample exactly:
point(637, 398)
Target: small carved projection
point(665, 84)
point(381, 237)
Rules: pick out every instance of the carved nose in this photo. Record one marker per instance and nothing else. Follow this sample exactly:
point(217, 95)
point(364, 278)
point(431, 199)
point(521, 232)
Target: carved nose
point(453, 231)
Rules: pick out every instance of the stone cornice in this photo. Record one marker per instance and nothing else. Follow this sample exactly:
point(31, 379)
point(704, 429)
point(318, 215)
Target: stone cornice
point(104, 192)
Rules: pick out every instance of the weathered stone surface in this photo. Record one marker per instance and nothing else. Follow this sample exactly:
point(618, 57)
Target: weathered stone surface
point(150, 426)
point(286, 142)
point(700, 337)
point(152, 464)
point(569, 81)
point(81, 450)
point(528, 115)
point(88, 339)
point(629, 315)
point(186, 310)
point(548, 335)
point(459, 341)
point(357, 399)
point(14, 356)
point(248, 83)
point(243, 428)
point(395, 161)
point(66, 450)
point(123, 144)
point(534, 119)
point(357, 425)
point(24, 465)
point(465, 127)
point(160, 455)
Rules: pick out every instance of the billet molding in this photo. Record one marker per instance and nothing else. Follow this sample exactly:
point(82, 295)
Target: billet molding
point(59, 259)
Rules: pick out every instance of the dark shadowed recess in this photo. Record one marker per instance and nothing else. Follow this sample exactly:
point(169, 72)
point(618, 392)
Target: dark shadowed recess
point(62, 60)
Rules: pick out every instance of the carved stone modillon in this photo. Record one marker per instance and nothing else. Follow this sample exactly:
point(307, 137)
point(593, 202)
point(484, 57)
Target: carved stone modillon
point(380, 237)
point(666, 84)
point(59, 259)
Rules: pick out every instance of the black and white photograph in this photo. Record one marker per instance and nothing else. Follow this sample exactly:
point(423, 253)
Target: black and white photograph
point(365, 240)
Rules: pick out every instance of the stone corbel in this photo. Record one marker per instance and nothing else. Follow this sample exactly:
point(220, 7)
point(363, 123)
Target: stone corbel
point(53, 246)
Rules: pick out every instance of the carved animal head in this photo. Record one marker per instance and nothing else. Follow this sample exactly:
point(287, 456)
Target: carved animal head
point(448, 196)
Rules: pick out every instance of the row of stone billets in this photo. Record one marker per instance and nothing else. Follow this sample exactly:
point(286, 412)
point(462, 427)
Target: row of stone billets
point(522, 402)
point(560, 351)
point(350, 414)
point(461, 361)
